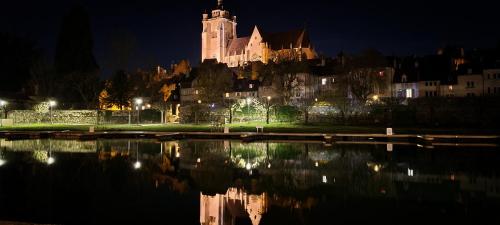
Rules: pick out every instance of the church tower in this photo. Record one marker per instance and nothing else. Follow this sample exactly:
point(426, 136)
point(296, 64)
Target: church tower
point(218, 29)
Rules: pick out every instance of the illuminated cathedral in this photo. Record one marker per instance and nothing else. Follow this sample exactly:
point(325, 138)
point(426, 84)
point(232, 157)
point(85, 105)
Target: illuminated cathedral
point(220, 41)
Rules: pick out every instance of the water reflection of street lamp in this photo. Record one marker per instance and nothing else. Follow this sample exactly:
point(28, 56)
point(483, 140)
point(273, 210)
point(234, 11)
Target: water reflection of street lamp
point(52, 103)
point(137, 164)
point(2, 160)
point(50, 160)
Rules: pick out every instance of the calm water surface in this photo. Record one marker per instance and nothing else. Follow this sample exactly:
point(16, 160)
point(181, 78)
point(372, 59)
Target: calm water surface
point(230, 182)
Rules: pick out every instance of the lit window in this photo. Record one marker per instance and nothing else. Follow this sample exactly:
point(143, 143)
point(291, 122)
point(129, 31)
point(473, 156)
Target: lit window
point(333, 80)
point(410, 172)
point(250, 86)
point(323, 81)
point(409, 93)
point(227, 95)
point(450, 88)
point(196, 91)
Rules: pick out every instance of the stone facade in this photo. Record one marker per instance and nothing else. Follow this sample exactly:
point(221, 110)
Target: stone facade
point(219, 40)
point(58, 116)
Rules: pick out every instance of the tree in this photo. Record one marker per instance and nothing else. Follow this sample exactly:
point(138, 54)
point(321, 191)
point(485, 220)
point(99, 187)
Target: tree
point(213, 81)
point(119, 90)
point(74, 59)
point(87, 86)
point(182, 68)
point(286, 78)
point(18, 56)
point(364, 76)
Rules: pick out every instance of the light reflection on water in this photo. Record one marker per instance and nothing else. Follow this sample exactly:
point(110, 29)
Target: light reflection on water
point(230, 182)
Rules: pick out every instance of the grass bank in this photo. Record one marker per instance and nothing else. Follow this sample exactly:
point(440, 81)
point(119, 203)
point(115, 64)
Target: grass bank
point(247, 127)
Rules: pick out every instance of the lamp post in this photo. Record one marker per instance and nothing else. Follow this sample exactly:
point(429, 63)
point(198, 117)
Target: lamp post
point(138, 102)
point(248, 100)
point(52, 103)
point(3, 104)
point(267, 108)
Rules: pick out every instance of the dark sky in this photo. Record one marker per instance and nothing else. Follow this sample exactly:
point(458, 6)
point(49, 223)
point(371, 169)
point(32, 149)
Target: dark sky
point(170, 30)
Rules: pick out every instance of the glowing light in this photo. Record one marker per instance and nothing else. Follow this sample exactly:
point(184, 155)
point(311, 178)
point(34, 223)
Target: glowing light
point(52, 103)
point(269, 98)
point(177, 154)
point(227, 94)
point(315, 99)
point(2, 162)
point(198, 160)
point(269, 165)
point(137, 165)
point(375, 98)
point(3, 103)
point(324, 179)
point(248, 166)
point(149, 106)
point(51, 160)
point(410, 172)
point(376, 168)
point(323, 81)
point(316, 164)
point(199, 101)
point(249, 100)
point(138, 101)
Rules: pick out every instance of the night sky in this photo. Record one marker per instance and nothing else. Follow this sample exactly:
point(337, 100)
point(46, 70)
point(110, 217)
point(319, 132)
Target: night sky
point(163, 31)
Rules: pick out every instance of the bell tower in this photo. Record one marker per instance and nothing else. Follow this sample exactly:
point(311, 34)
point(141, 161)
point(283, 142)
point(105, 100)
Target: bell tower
point(219, 28)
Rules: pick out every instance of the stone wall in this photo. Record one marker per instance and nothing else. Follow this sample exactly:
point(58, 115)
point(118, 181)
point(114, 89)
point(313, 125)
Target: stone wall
point(58, 116)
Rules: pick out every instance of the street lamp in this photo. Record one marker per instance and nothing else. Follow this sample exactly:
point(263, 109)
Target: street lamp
point(248, 100)
point(138, 102)
point(3, 104)
point(267, 109)
point(52, 104)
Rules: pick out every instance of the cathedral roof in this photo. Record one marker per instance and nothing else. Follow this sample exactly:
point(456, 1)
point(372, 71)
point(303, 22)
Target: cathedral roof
point(283, 40)
point(237, 45)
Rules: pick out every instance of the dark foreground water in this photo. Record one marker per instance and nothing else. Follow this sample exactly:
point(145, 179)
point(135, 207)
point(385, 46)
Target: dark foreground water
point(229, 182)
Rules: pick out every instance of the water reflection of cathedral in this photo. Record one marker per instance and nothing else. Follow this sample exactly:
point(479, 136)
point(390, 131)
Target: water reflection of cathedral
point(234, 205)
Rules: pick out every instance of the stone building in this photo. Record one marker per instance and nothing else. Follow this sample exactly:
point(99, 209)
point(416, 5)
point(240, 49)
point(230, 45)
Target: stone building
point(220, 41)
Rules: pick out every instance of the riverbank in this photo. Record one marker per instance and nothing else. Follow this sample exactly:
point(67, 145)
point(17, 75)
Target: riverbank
point(248, 127)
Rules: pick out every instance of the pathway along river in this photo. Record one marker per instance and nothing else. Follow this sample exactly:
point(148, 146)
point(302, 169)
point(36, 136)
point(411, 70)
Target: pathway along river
point(229, 182)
